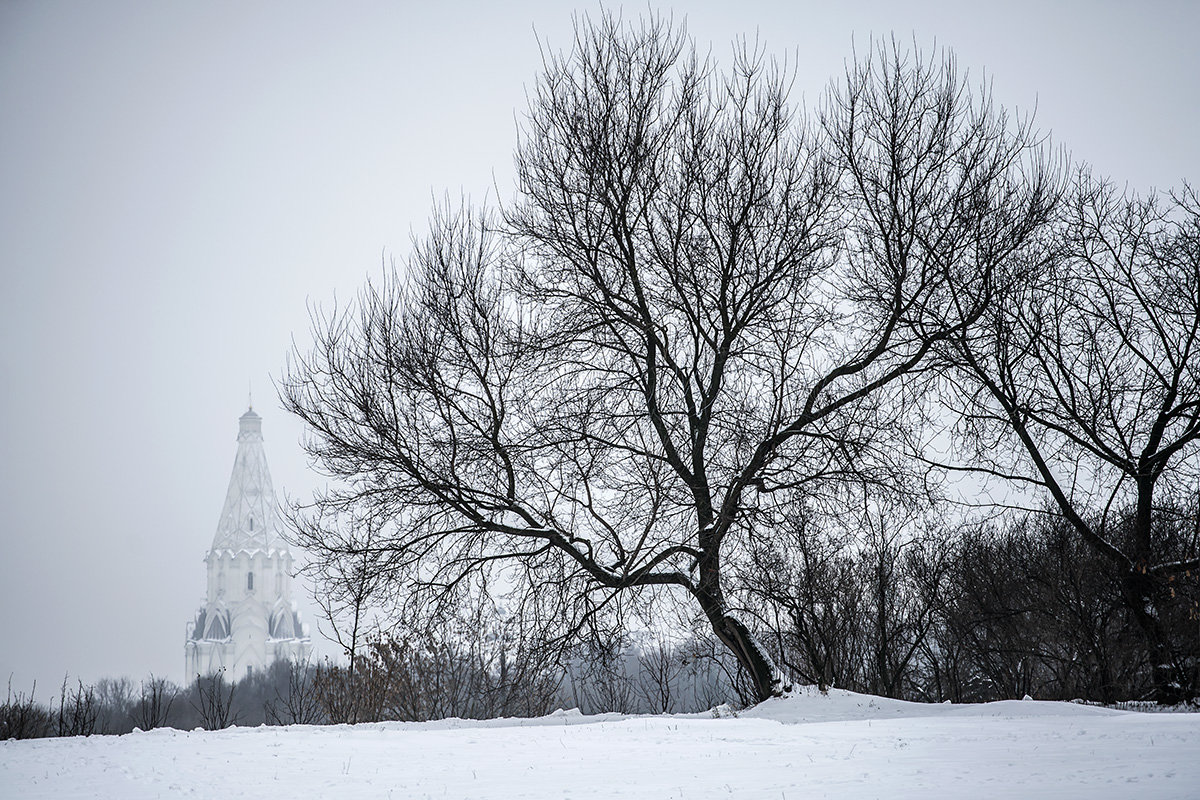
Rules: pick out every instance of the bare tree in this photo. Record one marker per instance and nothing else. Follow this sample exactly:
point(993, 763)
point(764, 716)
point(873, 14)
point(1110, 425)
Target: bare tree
point(899, 620)
point(696, 312)
point(1085, 383)
point(805, 589)
point(659, 669)
point(116, 700)
point(600, 682)
point(348, 569)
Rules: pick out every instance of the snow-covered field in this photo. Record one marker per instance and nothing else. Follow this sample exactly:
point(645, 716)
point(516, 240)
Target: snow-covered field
point(805, 746)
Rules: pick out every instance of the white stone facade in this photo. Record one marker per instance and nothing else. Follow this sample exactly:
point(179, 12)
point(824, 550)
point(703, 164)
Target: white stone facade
point(248, 620)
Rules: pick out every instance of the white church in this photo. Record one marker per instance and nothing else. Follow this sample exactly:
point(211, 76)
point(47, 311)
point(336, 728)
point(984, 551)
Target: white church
point(248, 620)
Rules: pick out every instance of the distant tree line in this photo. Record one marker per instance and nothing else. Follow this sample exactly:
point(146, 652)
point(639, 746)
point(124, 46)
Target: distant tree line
point(391, 681)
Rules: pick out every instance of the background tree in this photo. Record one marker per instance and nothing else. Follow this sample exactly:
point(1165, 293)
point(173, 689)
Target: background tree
point(115, 697)
point(694, 315)
point(1085, 383)
point(350, 570)
point(807, 590)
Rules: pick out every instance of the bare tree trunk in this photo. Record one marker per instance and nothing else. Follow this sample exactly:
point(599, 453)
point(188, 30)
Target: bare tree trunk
point(765, 677)
point(1139, 590)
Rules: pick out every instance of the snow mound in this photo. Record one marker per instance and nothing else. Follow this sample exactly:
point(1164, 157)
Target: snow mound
point(810, 704)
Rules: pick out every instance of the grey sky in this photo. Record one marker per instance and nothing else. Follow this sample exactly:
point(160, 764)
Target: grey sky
point(179, 180)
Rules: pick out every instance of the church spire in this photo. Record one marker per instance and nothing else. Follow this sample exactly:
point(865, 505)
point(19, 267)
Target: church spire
point(248, 620)
point(250, 517)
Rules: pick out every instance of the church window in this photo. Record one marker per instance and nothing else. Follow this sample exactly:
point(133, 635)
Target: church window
point(252, 523)
point(249, 581)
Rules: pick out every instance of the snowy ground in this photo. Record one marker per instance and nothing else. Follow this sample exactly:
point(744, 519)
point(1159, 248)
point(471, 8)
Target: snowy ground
point(807, 746)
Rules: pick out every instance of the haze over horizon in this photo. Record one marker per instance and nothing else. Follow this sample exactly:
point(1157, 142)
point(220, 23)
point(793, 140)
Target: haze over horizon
point(180, 184)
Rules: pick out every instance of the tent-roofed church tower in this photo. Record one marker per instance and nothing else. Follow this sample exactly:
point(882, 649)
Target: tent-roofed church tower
point(248, 620)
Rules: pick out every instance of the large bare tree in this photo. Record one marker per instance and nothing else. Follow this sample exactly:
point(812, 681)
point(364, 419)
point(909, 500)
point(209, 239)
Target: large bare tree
point(695, 313)
point(1084, 382)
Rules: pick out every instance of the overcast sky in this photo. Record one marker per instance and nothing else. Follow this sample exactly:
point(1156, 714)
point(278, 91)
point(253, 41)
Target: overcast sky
point(180, 181)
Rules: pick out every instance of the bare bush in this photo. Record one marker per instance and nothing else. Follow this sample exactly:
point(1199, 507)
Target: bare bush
point(350, 695)
point(22, 718)
point(296, 699)
point(78, 710)
point(212, 700)
point(599, 680)
point(156, 696)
